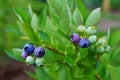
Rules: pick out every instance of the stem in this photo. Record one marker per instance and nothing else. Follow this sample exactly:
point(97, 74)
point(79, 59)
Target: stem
point(75, 50)
point(98, 77)
point(55, 50)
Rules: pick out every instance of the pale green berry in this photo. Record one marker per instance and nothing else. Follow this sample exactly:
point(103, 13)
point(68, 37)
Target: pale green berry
point(91, 30)
point(39, 61)
point(30, 60)
point(81, 28)
point(107, 49)
point(102, 42)
point(92, 39)
point(100, 49)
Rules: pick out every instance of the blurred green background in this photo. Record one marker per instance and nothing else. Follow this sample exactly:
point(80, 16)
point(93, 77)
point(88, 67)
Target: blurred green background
point(10, 35)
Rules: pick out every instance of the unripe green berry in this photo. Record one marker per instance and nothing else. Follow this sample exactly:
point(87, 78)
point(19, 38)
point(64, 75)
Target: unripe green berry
point(107, 49)
point(102, 42)
point(39, 61)
point(92, 39)
point(100, 49)
point(81, 28)
point(91, 30)
point(30, 60)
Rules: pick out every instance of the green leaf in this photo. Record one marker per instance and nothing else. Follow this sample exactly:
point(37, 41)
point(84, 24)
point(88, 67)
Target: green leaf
point(49, 56)
point(17, 52)
point(69, 60)
point(90, 72)
point(76, 17)
point(54, 16)
point(70, 3)
point(31, 74)
point(30, 32)
point(78, 71)
point(105, 59)
point(30, 10)
point(41, 74)
point(43, 17)
point(115, 51)
point(34, 22)
point(62, 74)
point(114, 38)
point(83, 10)
point(114, 72)
point(44, 36)
point(65, 19)
point(83, 53)
point(61, 33)
point(22, 14)
point(12, 55)
point(65, 72)
point(56, 6)
point(94, 17)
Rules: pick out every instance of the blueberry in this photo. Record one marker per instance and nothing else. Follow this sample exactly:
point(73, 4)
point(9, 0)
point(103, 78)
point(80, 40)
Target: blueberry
point(81, 28)
point(39, 61)
point(91, 30)
point(29, 48)
point(107, 49)
point(24, 55)
point(100, 49)
point(30, 60)
point(39, 52)
point(75, 38)
point(93, 39)
point(84, 43)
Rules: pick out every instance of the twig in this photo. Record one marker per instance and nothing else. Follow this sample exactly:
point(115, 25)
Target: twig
point(98, 77)
point(55, 50)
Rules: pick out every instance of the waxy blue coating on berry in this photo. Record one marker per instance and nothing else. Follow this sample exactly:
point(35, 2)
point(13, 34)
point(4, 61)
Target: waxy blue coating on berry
point(24, 55)
point(39, 52)
point(75, 38)
point(29, 48)
point(84, 43)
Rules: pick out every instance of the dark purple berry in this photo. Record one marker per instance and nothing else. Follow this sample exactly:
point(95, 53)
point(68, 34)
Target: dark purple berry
point(29, 48)
point(75, 38)
point(84, 43)
point(39, 52)
point(24, 55)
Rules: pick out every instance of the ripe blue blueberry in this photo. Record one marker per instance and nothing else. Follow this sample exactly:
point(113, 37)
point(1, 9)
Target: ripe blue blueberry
point(29, 48)
point(24, 54)
point(39, 52)
point(75, 38)
point(84, 43)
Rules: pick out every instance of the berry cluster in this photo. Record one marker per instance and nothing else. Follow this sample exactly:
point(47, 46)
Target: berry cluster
point(38, 53)
point(86, 37)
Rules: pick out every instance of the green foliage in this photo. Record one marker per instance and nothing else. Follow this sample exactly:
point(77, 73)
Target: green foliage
point(63, 59)
point(41, 74)
point(114, 72)
point(83, 11)
point(15, 55)
point(94, 17)
point(115, 4)
point(22, 15)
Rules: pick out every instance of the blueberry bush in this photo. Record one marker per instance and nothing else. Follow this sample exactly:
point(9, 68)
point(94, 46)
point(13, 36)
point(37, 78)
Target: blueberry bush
point(64, 45)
